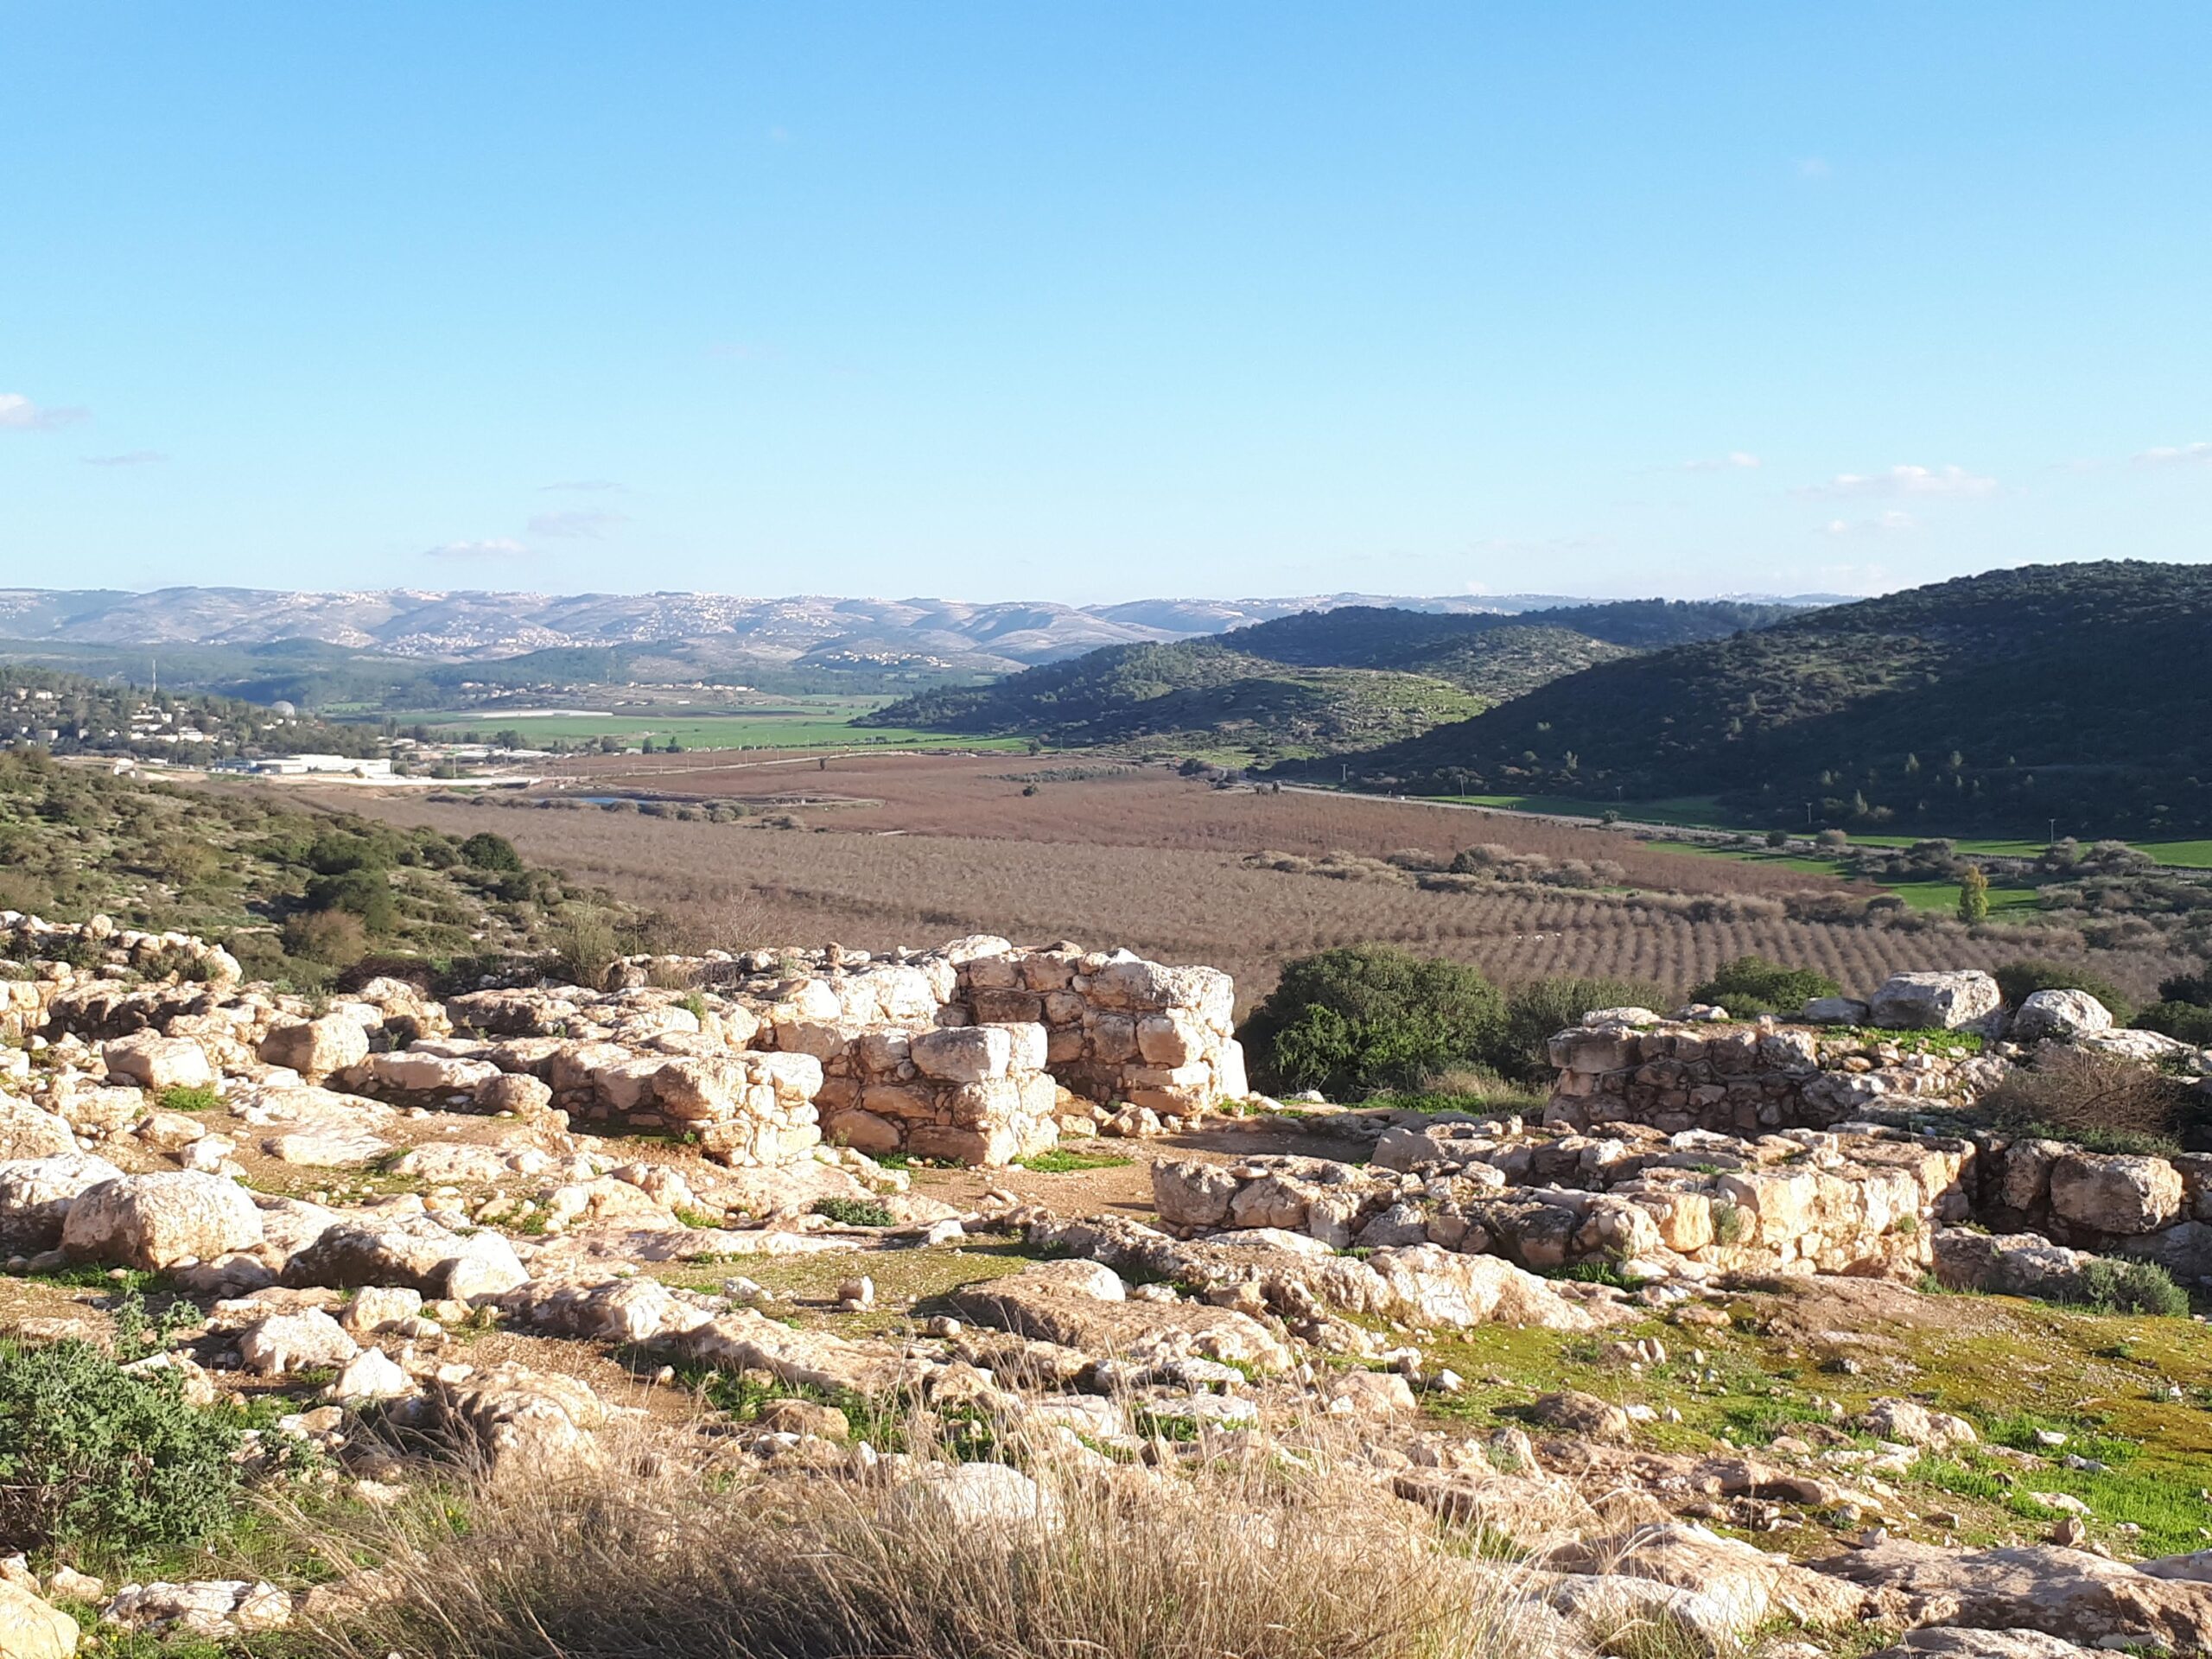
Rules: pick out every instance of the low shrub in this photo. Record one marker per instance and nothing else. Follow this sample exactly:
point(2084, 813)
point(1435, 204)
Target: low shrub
point(108, 1463)
point(2099, 1101)
point(2111, 1284)
point(329, 936)
point(1535, 1009)
point(193, 1097)
point(1750, 986)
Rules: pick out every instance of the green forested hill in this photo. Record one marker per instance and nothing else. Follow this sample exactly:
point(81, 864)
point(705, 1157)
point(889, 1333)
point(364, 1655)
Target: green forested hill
point(1196, 694)
point(1320, 682)
point(2079, 692)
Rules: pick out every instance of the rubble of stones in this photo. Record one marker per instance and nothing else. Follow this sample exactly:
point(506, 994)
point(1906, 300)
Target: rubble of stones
point(557, 1143)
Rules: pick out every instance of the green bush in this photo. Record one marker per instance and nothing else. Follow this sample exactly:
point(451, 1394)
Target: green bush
point(485, 851)
point(2186, 1022)
point(2019, 981)
point(105, 1462)
point(2112, 1285)
point(1535, 1009)
point(855, 1212)
point(1351, 1021)
point(1750, 986)
point(2193, 989)
point(362, 893)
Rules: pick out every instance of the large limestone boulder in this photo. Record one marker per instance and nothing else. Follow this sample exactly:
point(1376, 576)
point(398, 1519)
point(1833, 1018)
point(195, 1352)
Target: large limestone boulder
point(155, 1062)
point(415, 1072)
point(28, 1132)
point(1081, 1304)
point(515, 1421)
point(2008, 1264)
point(1427, 1285)
point(316, 1048)
point(1935, 1001)
point(969, 1496)
point(2117, 1193)
point(1946, 1642)
point(160, 1220)
point(2068, 1593)
point(963, 1053)
point(35, 1194)
point(1727, 1588)
point(1833, 1011)
point(694, 1090)
point(31, 1630)
point(416, 1254)
point(284, 1342)
point(2059, 1015)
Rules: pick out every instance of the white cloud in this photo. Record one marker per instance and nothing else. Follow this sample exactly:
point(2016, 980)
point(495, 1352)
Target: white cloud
point(132, 458)
point(575, 522)
point(2176, 455)
point(1893, 523)
point(1733, 459)
point(19, 414)
point(1901, 480)
point(498, 547)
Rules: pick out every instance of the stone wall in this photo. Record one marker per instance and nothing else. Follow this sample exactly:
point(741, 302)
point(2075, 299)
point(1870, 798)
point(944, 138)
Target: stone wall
point(1092, 1040)
point(1690, 1206)
point(1742, 1079)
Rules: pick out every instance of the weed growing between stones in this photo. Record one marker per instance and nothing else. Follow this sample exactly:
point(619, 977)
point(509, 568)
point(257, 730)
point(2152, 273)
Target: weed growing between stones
point(855, 1212)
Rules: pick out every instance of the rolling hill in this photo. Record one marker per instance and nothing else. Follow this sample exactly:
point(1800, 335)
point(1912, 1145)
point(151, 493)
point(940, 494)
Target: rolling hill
point(1320, 682)
point(2077, 692)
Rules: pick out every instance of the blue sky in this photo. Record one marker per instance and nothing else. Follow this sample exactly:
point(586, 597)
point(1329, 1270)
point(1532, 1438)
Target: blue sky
point(1086, 302)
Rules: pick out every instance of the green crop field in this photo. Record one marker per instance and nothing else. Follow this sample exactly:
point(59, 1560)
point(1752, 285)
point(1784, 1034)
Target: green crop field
point(2188, 854)
point(1700, 812)
point(1921, 895)
point(1695, 811)
point(824, 724)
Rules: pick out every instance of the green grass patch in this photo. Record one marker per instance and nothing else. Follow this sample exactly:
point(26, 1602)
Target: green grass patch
point(1483, 1105)
point(1061, 1161)
point(195, 1097)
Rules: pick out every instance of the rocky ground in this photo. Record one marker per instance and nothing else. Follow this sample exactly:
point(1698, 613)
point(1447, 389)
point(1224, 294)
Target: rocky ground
point(1737, 1389)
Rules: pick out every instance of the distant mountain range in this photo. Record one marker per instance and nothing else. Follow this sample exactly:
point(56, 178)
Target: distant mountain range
point(697, 632)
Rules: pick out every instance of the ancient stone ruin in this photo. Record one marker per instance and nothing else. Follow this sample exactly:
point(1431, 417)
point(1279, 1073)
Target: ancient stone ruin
point(977, 1052)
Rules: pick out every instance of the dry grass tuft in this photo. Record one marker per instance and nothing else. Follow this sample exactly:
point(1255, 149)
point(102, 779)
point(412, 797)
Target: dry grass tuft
point(1261, 1559)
